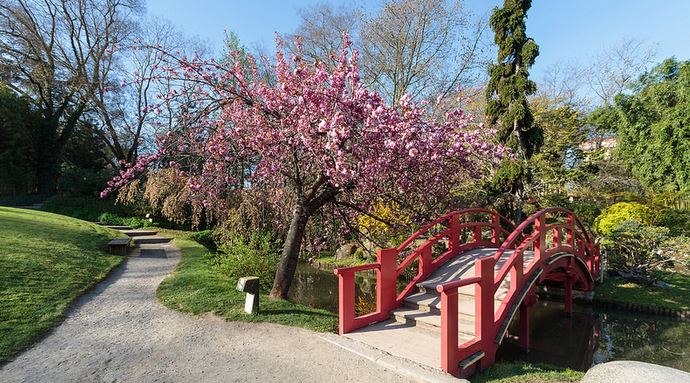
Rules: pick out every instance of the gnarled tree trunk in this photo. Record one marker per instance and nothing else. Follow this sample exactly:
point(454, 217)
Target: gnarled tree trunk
point(291, 249)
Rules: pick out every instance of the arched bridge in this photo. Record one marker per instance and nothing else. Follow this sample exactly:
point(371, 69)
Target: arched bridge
point(446, 296)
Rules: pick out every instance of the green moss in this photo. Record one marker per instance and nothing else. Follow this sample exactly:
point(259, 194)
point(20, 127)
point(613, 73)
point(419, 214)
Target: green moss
point(515, 372)
point(47, 261)
point(197, 287)
point(676, 297)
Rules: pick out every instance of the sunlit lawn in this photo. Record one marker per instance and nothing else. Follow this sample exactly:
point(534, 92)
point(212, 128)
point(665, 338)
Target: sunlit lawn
point(196, 287)
point(46, 261)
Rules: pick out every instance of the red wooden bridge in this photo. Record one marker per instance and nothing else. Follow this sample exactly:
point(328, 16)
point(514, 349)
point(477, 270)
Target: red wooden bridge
point(446, 296)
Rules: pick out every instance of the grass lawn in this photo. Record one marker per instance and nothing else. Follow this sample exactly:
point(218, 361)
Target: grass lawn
point(676, 297)
point(46, 261)
point(196, 287)
point(518, 372)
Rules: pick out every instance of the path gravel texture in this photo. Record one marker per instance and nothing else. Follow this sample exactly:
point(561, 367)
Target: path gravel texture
point(118, 332)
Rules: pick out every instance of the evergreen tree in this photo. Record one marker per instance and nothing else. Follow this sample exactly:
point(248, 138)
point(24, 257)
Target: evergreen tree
point(654, 127)
point(507, 91)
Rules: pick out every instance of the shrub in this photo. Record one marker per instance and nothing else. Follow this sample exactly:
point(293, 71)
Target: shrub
point(86, 208)
point(205, 238)
point(612, 216)
point(114, 219)
point(76, 181)
point(256, 256)
point(380, 231)
point(634, 247)
point(677, 221)
point(677, 249)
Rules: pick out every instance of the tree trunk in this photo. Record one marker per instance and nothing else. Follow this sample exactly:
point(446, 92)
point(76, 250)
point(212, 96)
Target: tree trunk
point(291, 249)
point(47, 159)
point(47, 177)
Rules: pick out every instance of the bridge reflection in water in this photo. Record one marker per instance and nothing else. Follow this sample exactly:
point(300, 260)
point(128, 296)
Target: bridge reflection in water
point(593, 335)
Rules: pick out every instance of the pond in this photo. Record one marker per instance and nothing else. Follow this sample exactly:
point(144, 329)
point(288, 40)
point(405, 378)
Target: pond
point(589, 336)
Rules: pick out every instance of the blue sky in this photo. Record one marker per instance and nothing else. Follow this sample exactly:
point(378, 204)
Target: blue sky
point(567, 31)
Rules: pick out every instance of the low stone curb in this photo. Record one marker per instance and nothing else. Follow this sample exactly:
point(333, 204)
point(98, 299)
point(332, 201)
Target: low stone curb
point(683, 315)
point(592, 299)
point(396, 364)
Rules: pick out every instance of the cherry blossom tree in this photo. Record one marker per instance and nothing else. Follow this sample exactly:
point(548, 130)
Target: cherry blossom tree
point(316, 140)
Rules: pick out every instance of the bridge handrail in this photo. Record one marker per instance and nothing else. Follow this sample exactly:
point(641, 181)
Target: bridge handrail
point(423, 252)
point(388, 270)
point(509, 243)
point(445, 217)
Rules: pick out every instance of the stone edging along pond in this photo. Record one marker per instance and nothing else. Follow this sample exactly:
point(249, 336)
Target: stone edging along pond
point(640, 308)
point(591, 299)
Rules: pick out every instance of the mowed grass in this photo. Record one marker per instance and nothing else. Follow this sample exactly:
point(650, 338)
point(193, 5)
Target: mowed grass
point(46, 261)
point(197, 287)
point(676, 297)
point(521, 372)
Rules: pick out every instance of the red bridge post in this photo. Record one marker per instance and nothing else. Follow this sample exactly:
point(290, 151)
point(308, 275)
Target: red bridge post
point(484, 309)
point(386, 290)
point(449, 332)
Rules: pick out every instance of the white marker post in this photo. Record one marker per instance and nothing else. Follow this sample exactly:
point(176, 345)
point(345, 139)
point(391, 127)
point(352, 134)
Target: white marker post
point(250, 285)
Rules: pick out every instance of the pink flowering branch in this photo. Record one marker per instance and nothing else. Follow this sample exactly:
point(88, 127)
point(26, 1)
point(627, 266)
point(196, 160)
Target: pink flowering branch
point(313, 139)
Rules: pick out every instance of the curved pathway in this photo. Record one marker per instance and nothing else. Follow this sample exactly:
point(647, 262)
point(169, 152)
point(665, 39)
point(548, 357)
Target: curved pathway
point(118, 332)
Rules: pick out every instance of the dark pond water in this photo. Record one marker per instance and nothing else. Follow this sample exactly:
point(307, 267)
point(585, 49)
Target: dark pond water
point(589, 336)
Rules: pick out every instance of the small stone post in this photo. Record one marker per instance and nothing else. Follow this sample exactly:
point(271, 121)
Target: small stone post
point(250, 285)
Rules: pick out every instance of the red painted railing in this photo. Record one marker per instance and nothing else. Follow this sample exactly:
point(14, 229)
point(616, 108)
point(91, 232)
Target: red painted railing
point(456, 231)
point(544, 240)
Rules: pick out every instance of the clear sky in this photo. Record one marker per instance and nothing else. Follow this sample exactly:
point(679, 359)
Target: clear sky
point(565, 30)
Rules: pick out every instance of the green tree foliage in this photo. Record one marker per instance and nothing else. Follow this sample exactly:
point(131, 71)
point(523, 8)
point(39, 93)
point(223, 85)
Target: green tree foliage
point(558, 162)
point(19, 123)
point(654, 126)
point(507, 104)
point(509, 83)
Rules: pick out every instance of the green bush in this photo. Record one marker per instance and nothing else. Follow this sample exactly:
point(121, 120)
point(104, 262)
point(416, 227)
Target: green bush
point(585, 207)
point(256, 256)
point(615, 214)
point(114, 219)
point(677, 249)
point(677, 221)
point(76, 181)
point(205, 238)
point(634, 247)
point(86, 208)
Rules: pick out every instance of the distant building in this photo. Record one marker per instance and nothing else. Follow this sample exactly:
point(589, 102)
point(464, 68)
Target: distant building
point(595, 144)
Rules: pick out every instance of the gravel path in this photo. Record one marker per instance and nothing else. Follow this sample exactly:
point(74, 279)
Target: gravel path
point(119, 332)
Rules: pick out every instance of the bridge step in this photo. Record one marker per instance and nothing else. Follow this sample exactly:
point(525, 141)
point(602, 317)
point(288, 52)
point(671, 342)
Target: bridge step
point(431, 321)
point(432, 303)
point(472, 359)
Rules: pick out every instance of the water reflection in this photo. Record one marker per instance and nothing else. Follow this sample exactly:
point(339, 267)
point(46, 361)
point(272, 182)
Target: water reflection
point(589, 336)
point(319, 288)
point(595, 335)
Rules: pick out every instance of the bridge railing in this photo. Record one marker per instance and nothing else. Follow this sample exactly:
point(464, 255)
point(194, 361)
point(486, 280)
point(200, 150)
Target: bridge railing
point(454, 233)
point(543, 240)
